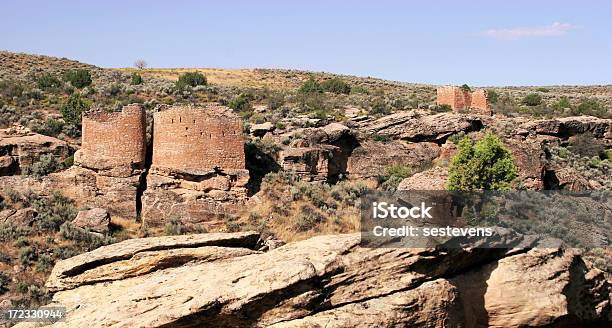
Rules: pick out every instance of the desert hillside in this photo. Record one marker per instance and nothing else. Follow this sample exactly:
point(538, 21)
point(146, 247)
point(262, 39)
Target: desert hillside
point(238, 191)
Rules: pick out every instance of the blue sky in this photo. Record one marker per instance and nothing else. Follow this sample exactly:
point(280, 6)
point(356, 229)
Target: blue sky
point(476, 42)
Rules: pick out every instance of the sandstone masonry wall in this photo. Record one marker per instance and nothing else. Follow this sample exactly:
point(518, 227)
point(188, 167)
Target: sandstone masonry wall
point(480, 102)
point(114, 139)
point(197, 140)
point(459, 99)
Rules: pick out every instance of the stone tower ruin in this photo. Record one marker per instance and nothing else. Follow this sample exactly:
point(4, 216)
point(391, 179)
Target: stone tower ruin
point(111, 162)
point(111, 140)
point(198, 173)
point(459, 99)
point(197, 141)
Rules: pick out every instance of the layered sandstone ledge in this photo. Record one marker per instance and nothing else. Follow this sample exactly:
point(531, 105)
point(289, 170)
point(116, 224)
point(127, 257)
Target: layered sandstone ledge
point(220, 280)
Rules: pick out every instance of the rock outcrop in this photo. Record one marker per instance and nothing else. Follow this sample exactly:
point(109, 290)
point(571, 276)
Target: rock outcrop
point(569, 126)
point(323, 154)
point(21, 148)
point(219, 280)
point(414, 127)
point(372, 158)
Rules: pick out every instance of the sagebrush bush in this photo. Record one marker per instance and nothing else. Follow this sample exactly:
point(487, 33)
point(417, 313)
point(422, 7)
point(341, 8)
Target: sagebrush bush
point(45, 164)
point(488, 165)
point(44, 263)
point(308, 218)
point(11, 231)
point(10, 88)
point(53, 211)
point(27, 255)
point(83, 237)
point(241, 103)
point(78, 78)
point(585, 145)
point(174, 227)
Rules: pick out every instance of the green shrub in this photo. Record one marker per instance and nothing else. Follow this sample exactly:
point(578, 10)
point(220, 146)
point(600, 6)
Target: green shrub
point(457, 137)
point(394, 174)
point(590, 107)
point(488, 165)
point(64, 252)
point(68, 162)
point(357, 89)
point(47, 81)
point(561, 104)
point(13, 194)
point(27, 255)
point(51, 127)
point(380, 106)
point(542, 89)
point(82, 237)
point(10, 231)
point(532, 99)
point(136, 79)
point(336, 85)
point(492, 96)
point(466, 87)
point(10, 89)
point(308, 218)
point(45, 164)
point(44, 263)
point(311, 86)
point(241, 103)
point(72, 109)
point(78, 78)
point(71, 130)
point(191, 79)
point(22, 287)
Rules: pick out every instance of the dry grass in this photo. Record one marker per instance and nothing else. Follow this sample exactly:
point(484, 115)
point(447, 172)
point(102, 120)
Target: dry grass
point(291, 209)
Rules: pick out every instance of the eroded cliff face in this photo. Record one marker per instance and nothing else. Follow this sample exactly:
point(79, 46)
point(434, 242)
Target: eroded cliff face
point(222, 280)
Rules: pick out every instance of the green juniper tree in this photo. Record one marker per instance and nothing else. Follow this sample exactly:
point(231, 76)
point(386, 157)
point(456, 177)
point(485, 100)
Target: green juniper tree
point(486, 165)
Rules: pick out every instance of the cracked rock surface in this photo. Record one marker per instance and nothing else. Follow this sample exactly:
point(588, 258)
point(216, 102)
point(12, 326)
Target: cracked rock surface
point(219, 280)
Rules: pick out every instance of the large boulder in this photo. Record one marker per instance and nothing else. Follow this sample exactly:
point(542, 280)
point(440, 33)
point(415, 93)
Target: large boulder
point(219, 280)
point(432, 179)
point(95, 219)
point(259, 130)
